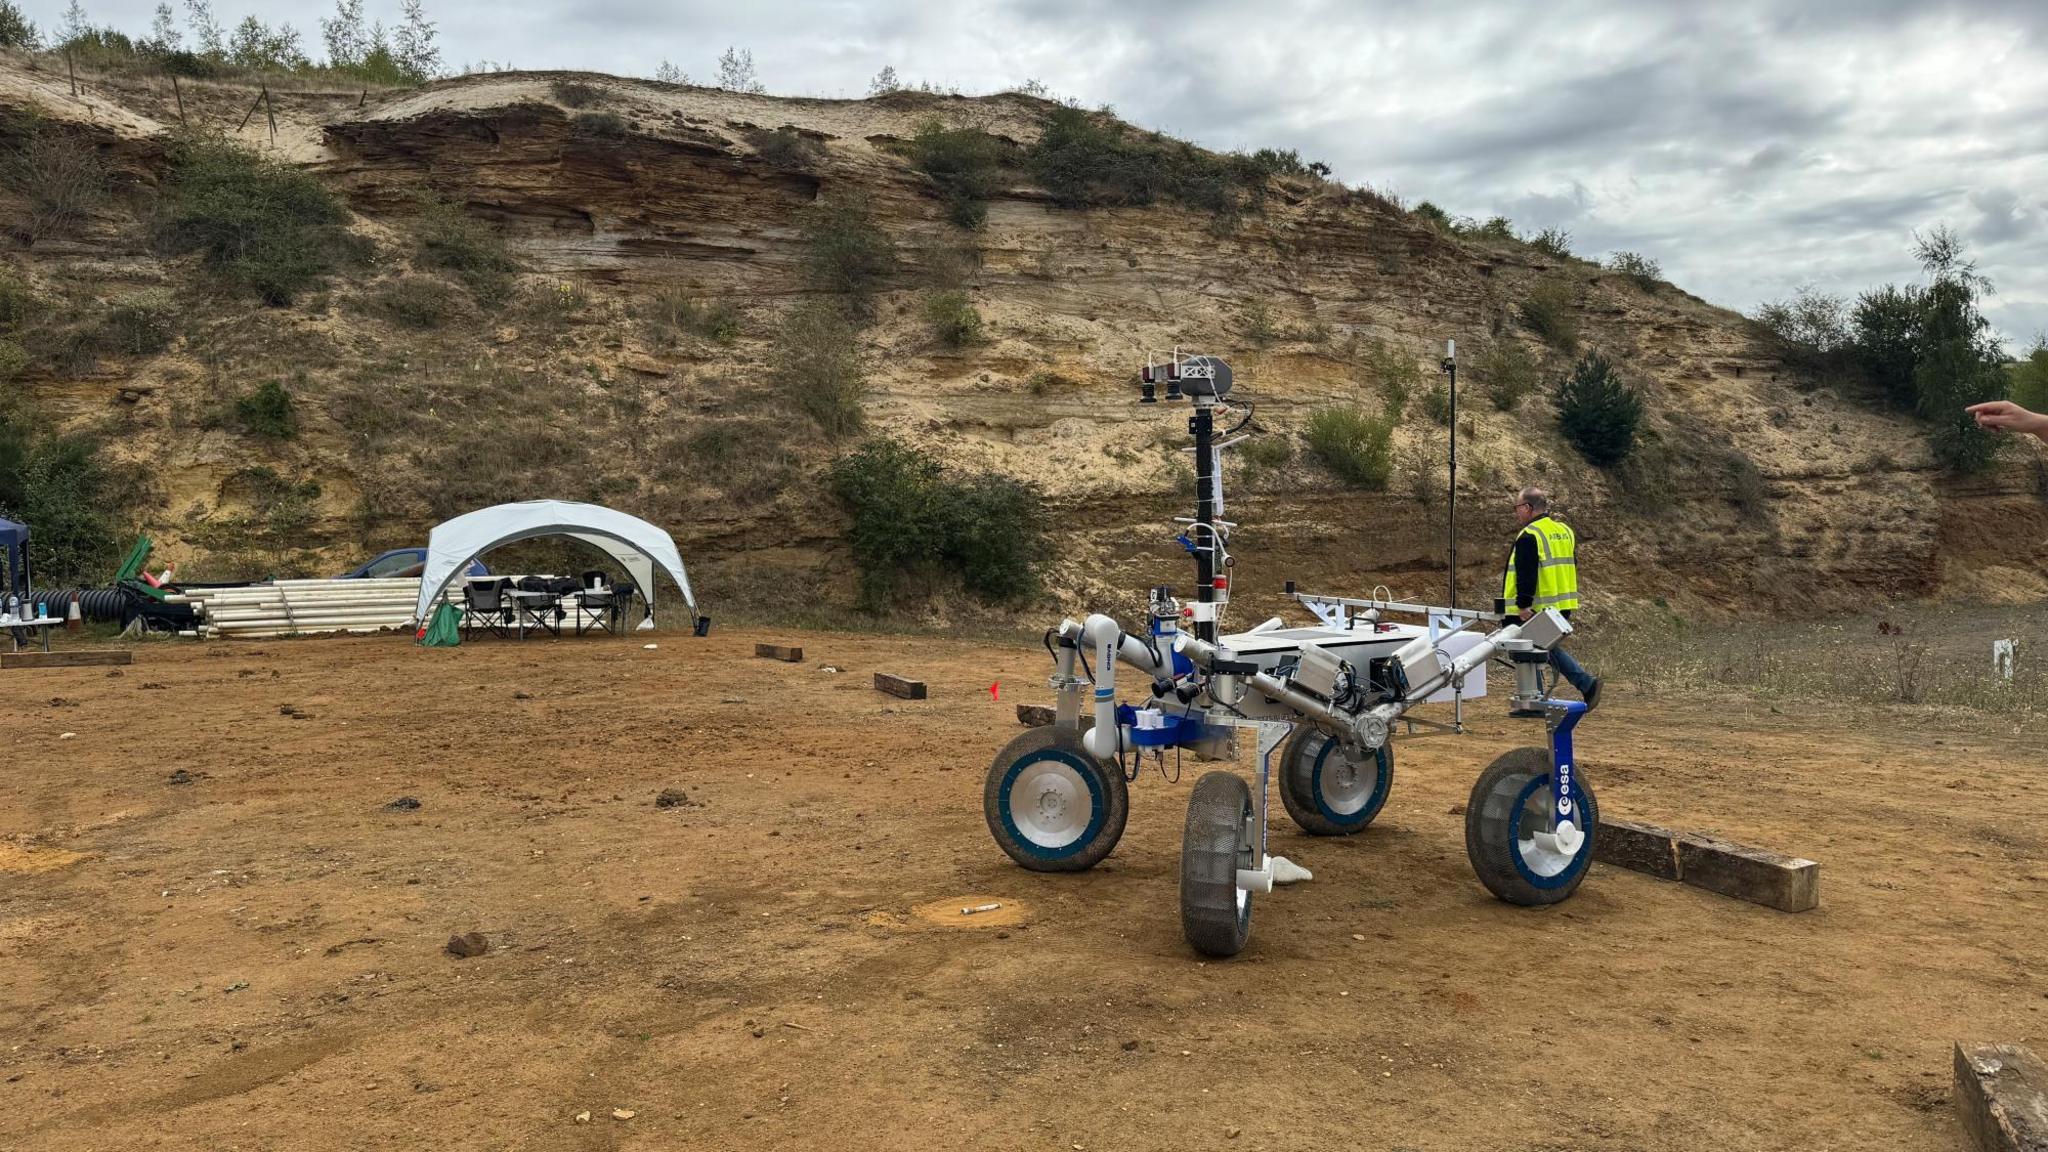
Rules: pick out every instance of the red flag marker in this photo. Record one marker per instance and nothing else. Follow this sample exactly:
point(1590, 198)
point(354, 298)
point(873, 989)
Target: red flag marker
point(995, 690)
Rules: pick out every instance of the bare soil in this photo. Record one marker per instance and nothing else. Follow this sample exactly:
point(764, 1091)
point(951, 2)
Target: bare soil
point(255, 958)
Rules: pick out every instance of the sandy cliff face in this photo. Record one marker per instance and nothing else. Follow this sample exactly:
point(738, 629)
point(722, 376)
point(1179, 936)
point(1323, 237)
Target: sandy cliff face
point(1752, 487)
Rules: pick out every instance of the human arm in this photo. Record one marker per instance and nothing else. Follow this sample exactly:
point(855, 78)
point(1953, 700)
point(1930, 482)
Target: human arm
point(1527, 563)
point(2004, 415)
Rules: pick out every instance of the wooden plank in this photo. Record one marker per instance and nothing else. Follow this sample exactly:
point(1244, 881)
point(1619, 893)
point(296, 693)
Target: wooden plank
point(1642, 848)
point(898, 686)
point(83, 658)
point(1035, 715)
point(2002, 1094)
point(787, 653)
point(1787, 883)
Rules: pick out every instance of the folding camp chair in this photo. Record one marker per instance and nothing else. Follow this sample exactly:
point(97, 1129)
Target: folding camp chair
point(483, 604)
point(596, 605)
point(539, 604)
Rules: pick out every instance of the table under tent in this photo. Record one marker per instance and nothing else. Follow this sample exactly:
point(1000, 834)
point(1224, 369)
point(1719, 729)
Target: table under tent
point(449, 599)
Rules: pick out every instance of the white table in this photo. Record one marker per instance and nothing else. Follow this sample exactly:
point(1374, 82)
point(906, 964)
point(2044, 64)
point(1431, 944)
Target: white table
point(15, 627)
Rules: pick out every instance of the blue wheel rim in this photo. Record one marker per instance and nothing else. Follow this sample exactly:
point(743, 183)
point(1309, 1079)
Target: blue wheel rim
point(1098, 804)
point(1520, 809)
point(1382, 769)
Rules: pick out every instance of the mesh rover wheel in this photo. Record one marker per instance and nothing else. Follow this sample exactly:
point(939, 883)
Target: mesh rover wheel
point(1050, 805)
point(1509, 808)
point(1326, 791)
point(1215, 914)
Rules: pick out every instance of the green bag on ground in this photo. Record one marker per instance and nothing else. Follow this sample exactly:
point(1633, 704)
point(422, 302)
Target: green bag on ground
point(446, 629)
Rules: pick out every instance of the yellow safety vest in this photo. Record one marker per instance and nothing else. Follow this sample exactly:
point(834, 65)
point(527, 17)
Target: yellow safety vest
point(1557, 572)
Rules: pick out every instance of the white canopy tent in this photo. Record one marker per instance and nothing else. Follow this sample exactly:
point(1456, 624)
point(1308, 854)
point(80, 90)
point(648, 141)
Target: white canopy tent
point(639, 547)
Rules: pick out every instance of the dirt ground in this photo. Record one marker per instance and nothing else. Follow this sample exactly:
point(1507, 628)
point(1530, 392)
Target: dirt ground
point(254, 958)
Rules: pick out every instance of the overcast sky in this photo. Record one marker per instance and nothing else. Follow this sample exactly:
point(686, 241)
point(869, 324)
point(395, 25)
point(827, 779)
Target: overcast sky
point(1749, 146)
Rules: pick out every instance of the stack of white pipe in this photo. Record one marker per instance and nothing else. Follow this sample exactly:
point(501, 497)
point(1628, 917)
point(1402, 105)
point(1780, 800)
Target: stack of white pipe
point(294, 607)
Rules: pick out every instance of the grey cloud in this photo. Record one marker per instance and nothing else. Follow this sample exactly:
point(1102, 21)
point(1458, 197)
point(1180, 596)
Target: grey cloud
point(1749, 145)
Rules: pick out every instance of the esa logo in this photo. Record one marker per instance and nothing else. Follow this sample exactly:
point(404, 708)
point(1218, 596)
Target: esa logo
point(1564, 789)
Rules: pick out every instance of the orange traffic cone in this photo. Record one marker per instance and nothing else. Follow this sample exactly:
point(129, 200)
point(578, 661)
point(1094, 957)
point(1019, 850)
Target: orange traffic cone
point(73, 621)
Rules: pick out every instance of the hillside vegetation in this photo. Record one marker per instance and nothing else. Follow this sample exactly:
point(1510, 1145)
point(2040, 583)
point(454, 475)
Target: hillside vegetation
point(761, 321)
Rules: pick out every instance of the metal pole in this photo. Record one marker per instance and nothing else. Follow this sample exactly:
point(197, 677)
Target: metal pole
point(1203, 425)
point(1451, 370)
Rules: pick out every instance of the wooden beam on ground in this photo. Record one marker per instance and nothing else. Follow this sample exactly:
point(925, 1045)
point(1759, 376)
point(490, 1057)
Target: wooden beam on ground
point(787, 653)
point(898, 686)
point(1642, 848)
point(1035, 715)
point(2002, 1094)
point(84, 658)
point(1775, 880)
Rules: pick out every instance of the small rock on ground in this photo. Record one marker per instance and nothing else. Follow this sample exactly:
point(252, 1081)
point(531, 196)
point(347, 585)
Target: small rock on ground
point(404, 804)
point(672, 798)
point(468, 944)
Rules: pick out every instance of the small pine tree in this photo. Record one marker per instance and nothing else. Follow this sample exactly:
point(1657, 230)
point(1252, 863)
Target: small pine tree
point(164, 37)
point(206, 33)
point(884, 82)
point(347, 43)
point(736, 72)
point(1598, 412)
point(76, 24)
point(16, 30)
point(413, 47)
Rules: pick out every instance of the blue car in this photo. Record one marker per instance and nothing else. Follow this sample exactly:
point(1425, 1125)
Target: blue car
point(403, 562)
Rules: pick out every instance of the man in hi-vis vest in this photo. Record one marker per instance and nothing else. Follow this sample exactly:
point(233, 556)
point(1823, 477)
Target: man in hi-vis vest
point(1543, 572)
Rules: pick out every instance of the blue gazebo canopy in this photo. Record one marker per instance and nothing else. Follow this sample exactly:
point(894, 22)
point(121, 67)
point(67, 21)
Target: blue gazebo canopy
point(14, 543)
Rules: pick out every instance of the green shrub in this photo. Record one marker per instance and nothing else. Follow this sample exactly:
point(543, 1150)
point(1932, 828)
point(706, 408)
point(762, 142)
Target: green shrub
point(1433, 216)
point(1932, 350)
point(672, 312)
point(63, 488)
point(1888, 322)
point(1598, 412)
point(1640, 270)
point(785, 147)
point(1092, 160)
point(556, 304)
point(966, 164)
point(609, 125)
point(469, 249)
point(258, 223)
point(1809, 332)
point(58, 173)
point(2029, 377)
point(419, 302)
point(1507, 373)
point(1548, 312)
point(1553, 242)
point(142, 325)
point(1046, 380)
point(845, 250)
point(1396, 375)
point(908, 518)
point(16, 30)
point(1496, 228)
point(273, 536)
point(576, 94)
point(1436, 404)
point(817, 363)
point(1258, 323)
point(1357, 447)
point(267, 413)
point(1264, 455)
point(954, 321)
point(17, 303)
